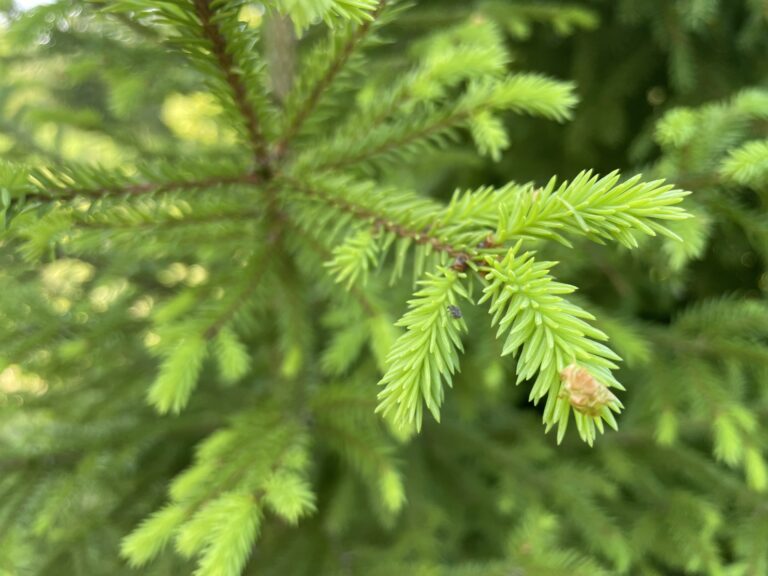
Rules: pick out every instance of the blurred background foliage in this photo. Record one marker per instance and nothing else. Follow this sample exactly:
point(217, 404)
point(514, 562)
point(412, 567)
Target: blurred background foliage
point(675, 88)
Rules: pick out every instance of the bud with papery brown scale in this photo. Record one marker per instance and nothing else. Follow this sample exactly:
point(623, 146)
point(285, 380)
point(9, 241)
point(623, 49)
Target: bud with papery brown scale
point(584, 392)
point(460, 263)
point(488, 242)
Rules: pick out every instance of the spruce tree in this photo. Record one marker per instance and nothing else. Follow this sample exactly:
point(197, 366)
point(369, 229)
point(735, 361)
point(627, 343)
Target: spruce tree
point(273, 303)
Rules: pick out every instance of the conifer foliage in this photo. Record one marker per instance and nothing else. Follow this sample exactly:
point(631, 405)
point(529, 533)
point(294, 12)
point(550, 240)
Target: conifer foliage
point(241, 293)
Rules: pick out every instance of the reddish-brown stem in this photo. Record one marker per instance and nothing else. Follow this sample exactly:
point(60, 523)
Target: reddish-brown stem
point(381, 222)
point(227, 64)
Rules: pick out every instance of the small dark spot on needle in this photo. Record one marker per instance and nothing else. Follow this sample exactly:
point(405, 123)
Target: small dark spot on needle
point(455, 311)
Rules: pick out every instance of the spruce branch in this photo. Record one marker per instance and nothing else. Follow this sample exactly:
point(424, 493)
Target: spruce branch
point(314, 243)
point(169, 222)
point(482, 222)
point(362, 442)
point(427, 130)
point(232, 356)
point(178, 375)
point(470, 52)
point(307, 12)
point(377, 216)
point(333, 67)
point(549, 334)
point(748, 164)
point(523, 93)
point(49, 185)
point(351, 327)
point(188, 344)
point(138, 28)
point(259, 460)
point(600, 208)
point(206, 12)
point(233, 521)
point(425, 357)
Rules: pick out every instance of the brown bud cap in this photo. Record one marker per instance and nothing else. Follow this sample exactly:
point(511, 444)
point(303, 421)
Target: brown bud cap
point(584, 392)
point(460, 263)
